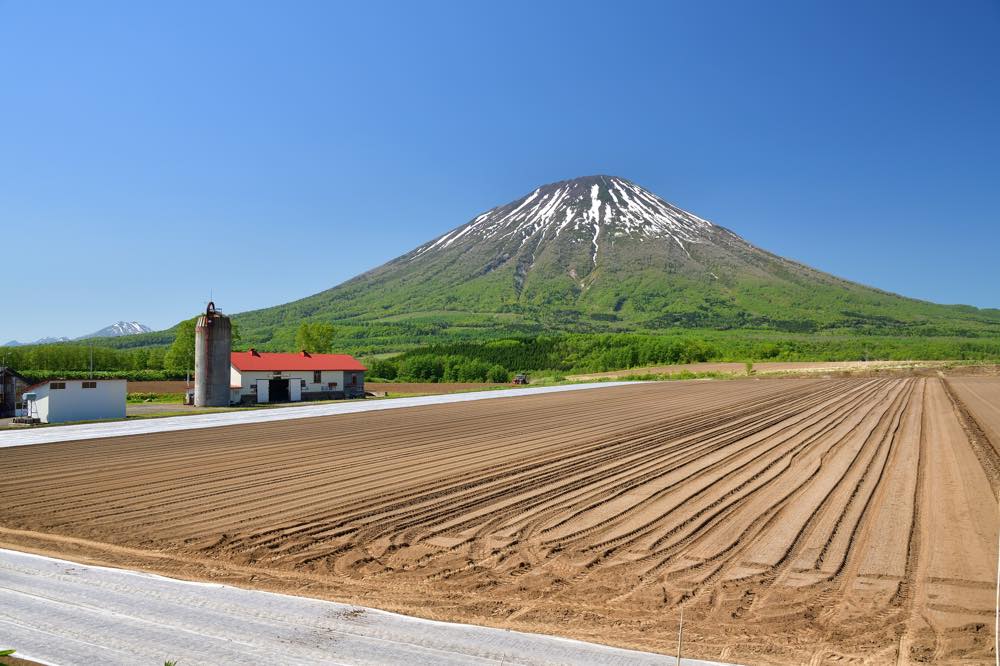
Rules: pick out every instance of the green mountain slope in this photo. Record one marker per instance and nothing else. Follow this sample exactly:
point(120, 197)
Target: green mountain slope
point(598, 254)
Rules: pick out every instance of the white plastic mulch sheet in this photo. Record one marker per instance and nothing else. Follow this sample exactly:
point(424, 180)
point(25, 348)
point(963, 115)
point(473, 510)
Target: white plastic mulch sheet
point(59, 612)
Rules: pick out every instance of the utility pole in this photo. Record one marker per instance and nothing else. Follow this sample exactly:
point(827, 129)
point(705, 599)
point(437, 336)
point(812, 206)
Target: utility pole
point(680, 636)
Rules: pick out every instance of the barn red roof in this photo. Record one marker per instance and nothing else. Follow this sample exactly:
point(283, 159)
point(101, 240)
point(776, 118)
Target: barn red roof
point(274, 361)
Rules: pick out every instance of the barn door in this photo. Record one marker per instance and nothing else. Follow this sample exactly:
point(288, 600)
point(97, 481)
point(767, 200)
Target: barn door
point(294, 389)
point(262, 390)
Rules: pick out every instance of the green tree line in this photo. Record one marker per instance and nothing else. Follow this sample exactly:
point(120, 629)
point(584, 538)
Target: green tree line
point(76, 360)
point(489, 361)
point(68, 357)
point(496, 360)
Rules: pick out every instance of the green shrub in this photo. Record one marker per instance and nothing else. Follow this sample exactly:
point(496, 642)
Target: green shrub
point(382, 368)
point(499, 374)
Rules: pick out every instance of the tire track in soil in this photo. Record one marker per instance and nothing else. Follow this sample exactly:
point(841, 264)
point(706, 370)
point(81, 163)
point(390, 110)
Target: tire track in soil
point(754, 504)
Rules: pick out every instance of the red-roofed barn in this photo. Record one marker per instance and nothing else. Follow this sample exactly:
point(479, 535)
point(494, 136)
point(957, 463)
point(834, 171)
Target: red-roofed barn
point(277, 377)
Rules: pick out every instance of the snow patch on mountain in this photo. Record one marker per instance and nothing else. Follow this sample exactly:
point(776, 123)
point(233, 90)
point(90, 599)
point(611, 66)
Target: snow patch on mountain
point(589, 206)
point(39, 341)
point(119, 329)
point(115, 330)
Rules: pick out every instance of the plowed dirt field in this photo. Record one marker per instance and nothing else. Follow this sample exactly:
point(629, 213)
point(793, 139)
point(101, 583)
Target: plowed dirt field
point(795, 520)
point(764, 367)
point(443, 387)
point(981, 396)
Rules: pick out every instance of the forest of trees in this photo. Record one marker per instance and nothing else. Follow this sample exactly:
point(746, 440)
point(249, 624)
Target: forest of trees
point(565, 354)
point(70, 361)
point(497, 360)
point(80, 360)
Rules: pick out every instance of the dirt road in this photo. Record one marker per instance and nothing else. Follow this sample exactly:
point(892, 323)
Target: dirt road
point(795, 520)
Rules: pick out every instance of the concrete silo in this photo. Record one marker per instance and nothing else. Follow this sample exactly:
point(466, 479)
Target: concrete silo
point(213, 336)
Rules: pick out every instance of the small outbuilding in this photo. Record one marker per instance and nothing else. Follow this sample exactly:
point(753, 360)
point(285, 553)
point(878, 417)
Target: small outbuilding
point(62, 400)
point(258, 377)
point(12, 387)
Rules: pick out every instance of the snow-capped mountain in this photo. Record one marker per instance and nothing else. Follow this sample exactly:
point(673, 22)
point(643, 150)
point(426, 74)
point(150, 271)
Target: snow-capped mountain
point(595, 208)
point(574, 234)
point(118, 329)
point(599, 253)
point(39, 341)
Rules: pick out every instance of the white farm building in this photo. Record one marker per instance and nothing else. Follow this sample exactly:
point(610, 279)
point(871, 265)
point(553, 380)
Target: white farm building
point(61, 400)
point(257, 377)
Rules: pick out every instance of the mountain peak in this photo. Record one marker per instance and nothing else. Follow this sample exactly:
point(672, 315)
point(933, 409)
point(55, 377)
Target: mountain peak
point(597, 253)
point(115, 330)
point(599, 208)
point(587, 181)
point(118, 329)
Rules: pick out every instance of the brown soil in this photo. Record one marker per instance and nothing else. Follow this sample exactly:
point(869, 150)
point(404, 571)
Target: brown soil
point(158, 387)
point(181, 386)
point(771, 367)
point(14, 661)
point(981, 396)
point(795, 520)
point(394, 389)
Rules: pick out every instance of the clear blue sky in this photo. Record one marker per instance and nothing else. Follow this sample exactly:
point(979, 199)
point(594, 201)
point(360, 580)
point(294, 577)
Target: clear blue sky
point(152, 152)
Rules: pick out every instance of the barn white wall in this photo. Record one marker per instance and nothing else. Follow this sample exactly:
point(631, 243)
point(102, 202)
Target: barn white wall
point(75, 403)
point(41, 403)
point(249, 378)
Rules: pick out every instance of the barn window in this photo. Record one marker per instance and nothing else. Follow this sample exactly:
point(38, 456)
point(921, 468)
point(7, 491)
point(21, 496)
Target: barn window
point(333, 385)
point(303, 383)
point(90, 385)
point(57, 385)
point(317, 377)
point(354, 380)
